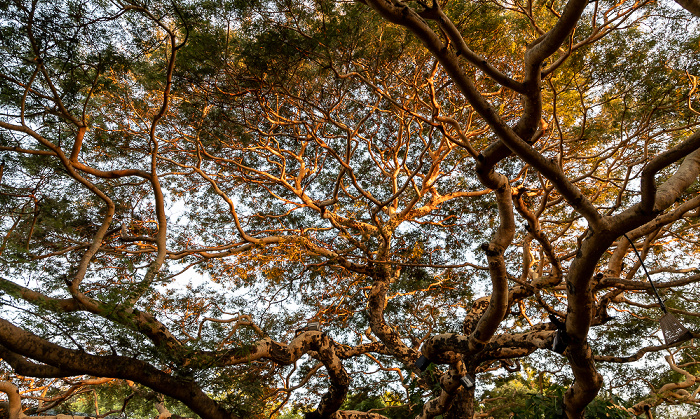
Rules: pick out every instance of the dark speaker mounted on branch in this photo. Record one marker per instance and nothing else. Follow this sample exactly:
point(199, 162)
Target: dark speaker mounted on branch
point(561, 338)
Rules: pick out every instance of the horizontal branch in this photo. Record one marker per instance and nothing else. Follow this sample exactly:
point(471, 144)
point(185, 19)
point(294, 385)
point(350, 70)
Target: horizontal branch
point(32, 346)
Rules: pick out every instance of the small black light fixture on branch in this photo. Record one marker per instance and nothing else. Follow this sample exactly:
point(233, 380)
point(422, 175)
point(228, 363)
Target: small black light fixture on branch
point(467, 381)
point(672, 329)
point(422, 363)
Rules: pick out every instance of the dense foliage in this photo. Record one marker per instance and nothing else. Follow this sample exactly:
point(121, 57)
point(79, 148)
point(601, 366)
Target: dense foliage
point(272, 208)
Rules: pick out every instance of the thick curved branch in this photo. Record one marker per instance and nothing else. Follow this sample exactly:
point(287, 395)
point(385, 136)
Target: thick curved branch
point(22, 366)
point(654, 199)
point(580, 313)
point(449, 386)
point(323, 347)
point(32, 346)
point(498, 302)
point(388, 335)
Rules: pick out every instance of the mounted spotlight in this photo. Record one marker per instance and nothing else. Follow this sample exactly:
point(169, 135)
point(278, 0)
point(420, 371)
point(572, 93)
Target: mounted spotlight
point(467, 381)
point(422, 363)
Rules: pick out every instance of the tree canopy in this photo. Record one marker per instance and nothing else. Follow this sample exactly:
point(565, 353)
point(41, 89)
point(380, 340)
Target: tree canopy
point(371, 209)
